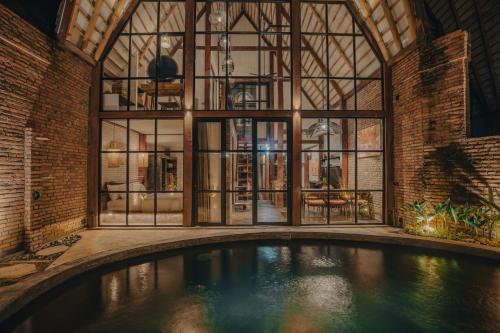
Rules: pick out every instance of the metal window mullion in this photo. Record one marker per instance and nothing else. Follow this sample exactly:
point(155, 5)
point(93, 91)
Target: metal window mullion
point(155, 172)
point(127, 174)
point(255, 184)
point(158, 54)
point(223, 169)
point(356, 170)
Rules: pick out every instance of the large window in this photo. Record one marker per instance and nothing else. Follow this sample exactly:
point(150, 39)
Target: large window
point(141, 172)
point(243, 55)
point(342, 170)
point(339, 69)
point(240, 58)
point(144, 69)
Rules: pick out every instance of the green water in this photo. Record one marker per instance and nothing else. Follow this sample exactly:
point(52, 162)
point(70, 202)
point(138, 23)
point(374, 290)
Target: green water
point(277, 287)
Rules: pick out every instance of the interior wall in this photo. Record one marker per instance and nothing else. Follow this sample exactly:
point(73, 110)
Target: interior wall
point(433, 157)
point(44, 93)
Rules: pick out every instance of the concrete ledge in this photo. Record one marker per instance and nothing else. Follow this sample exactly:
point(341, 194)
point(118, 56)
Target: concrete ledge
point(14, 297)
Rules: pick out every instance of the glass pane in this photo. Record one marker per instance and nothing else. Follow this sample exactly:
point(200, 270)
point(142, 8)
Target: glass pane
point(144, 18)
point(275, 93)
point(275, 17)
point(210, 53)
point(239, 134)
point(271, 136)
point(272, 207)
point(342, 171)
point(211, 94)
point(272, 171)
point(367, 63)
point(142, 94)
point(212, 16)
point(314, 131)
point(341, 56)
point(313, 17)
point(143, 56)
point(239, 208)
point(243, 95)
point(370, 134)
point(209, 207)
point(314, 56)
point(114, 135)
point(314, 94)
point(339, 19)
point(209, 136)
point(342, 134)
point(141, 135)
point(116, 62)
point(244, 55)
point(314, 208)
point(113, 208)
point(369, 95)
point(113, 171)
point(141, 208)
point(239, 172)
point(170, 135)
point(370, 206)
point(370, 171)
point(169, 172)
point(209, 171)
point(114, 95)
point(341, 205)
point(176, 12)
point(169, 208)
point(314, 170)
point(141, 171)
point(341, 94)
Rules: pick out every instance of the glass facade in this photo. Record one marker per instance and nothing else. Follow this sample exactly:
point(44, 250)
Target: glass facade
point(141, 172)
point(240, 57)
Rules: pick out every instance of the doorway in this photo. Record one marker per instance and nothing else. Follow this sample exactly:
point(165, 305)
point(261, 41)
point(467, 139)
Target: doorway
point(241, 169)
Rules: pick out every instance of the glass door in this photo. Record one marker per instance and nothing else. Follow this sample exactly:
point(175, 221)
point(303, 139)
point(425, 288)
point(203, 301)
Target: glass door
point(241, 172)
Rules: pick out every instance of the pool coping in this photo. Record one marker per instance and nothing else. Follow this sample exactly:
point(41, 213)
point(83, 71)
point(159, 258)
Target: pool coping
point(16, 296)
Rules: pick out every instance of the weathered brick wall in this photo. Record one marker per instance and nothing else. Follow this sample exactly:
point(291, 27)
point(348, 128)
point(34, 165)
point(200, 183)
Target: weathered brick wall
point(433, 157)
point(44, 93)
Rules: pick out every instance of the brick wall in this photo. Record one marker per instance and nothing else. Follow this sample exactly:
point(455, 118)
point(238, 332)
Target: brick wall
point(43, 136)
point(433, 157)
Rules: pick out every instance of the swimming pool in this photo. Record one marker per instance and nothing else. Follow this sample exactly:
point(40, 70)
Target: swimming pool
point(294, 286)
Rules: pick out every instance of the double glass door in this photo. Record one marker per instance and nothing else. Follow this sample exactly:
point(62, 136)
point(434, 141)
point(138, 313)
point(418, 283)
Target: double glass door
point(241, 169)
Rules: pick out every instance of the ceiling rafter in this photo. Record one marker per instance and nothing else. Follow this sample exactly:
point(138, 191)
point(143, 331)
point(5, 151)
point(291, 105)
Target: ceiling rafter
point(392, 25)
point(409, 19)
point(367, 16)
point(93, 20)
point(113, 21)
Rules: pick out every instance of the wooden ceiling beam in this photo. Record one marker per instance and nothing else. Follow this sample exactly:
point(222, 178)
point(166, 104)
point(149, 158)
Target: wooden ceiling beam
point(112, 23)
point(367, 16)
point(409, 18)
point(91, 26)
point(67, 19)
point(392, 25)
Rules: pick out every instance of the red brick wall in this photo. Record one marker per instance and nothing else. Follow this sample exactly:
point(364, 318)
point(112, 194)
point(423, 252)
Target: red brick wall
point(44, 92)
point(433, 157)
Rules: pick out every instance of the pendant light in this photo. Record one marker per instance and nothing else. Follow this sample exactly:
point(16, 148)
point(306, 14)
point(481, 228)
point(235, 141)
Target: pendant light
point(114, 147)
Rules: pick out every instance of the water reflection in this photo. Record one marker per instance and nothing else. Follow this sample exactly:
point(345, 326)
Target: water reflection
point(281, 287)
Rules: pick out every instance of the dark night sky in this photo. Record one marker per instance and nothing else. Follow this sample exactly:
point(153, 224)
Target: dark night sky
point(40, 13)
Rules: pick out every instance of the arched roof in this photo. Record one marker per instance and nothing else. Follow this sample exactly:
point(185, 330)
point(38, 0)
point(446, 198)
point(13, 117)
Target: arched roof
point(92, 22)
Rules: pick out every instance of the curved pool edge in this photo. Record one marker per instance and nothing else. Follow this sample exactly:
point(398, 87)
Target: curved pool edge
point(15, 297)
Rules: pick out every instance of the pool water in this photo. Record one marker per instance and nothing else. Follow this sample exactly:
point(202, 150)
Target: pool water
point(296, 286)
